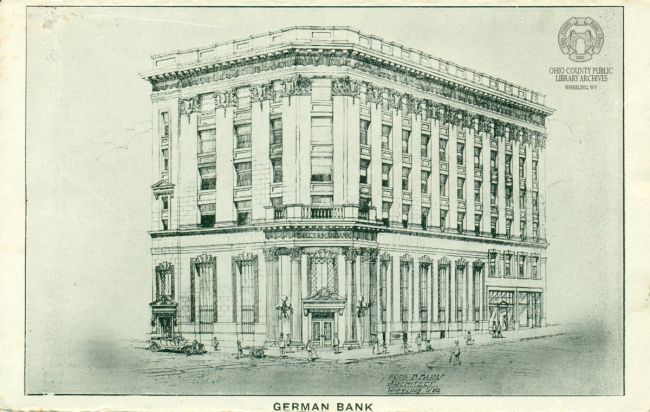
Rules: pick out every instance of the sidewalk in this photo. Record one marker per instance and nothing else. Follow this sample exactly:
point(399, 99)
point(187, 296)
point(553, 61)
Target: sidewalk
point(354, 355)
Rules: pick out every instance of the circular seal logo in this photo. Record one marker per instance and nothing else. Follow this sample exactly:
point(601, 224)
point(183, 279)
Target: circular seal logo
point(580, 38)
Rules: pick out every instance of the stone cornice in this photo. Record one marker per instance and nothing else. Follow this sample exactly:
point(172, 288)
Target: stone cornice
point(424, 83)
point(340, 39)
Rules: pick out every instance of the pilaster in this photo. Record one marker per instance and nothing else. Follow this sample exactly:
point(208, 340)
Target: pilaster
point(261, 163)
point(225, 211)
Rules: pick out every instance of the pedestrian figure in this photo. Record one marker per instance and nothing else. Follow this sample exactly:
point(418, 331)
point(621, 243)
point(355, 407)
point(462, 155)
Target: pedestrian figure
point(455, 353)
point(418, 341)
point(405, 345)
point(494, 329)
point(215, 344)
point(240, 349)
point(281, 345)
point(499, 335)
point(374, 342)
point(289, 348)
point(311, 352)
point(428, 347)
point(469, 340)
point(336, 343)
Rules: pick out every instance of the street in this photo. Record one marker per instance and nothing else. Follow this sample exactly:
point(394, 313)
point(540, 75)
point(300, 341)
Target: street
point(570, 363)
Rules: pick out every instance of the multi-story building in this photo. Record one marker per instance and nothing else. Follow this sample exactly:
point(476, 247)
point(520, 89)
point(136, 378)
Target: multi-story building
point(318, 180)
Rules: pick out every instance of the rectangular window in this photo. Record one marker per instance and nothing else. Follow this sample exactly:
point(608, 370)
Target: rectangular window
point(508, 196)
point(493, 226)
point(424, 176)
point(425, 269)
point(406, 137)
point(522, 267)
point(443, 150)
point(508, 165)
point(207, 141)
point(364, 125)
point(460, 188)
point(208, 177)
point(385, 212)
point(535, 202)
point(522, 168)
point(460, 224)
point(321, 169)
point(522, 198)
point(425, 218)
point(494, 160)
point(364, 164)
point(477, 158)
point(165, 202)
point(385, 136)
point(405, 178)
point(534, 267)
point(385, 175)
point(404, 273)
point(534, 169)
point(442, 292)
point(321, 130)
point(244, 98)
point(243, 136)
point(522, 226)
point(244, 177)
point(536, 230)
point(206, 102)
point(165, 224)
point(277, 170)
point(493, 194)
point(477, 190)
point(364, 207)
point(424, 145)
point(165, 159)
point(443, 185)
point(243, 212)
point(477, 225)
point(164, 125)
point(207, 214)
point(507, 258)
point(276, 131)
point(460, 153)
point(443, 219)
point(405, 215)
point(247, 272)
point(492, 263)
point(509, 228)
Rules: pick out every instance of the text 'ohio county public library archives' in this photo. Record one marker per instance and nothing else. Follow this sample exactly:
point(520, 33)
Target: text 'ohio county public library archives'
point(317, 181)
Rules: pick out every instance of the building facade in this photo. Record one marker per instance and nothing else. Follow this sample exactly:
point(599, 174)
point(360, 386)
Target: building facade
point(317, 181)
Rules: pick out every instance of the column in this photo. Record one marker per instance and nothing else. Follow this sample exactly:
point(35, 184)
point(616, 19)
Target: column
point(452, 295)
point(501, 228)
point(541, 185)
point(374, 138)
point(273, 318)
point(185, 156)
point(415, 299)
point(470, 292)
point(469, 179)
point(452, 181)
point(416, 171)
point(529, 192)
point(487, 181)
point(296, 293)
point(261, 163)
point(396, 146)
point(346, 149)
point(435, 173)
point(225, 212)
point(429, 295)
point(516, 211)
point(435, 273)
point(340, 320)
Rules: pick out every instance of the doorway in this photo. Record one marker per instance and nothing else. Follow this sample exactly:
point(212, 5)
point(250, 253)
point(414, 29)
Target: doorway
point(322, 328)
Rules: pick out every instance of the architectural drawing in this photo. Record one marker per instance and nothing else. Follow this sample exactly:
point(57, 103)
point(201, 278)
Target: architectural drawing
point(315, 182)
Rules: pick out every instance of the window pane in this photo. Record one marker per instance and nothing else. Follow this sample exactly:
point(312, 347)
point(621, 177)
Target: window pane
point(321, 129)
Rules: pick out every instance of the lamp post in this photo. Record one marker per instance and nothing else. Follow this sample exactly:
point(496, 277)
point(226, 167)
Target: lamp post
point(362, 308)
point(286, 310)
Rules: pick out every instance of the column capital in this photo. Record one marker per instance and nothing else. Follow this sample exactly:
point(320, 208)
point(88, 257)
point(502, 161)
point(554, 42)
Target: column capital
point(271, 253)
point(295, 253)
point(350, 253)
point(425, 259)
point(461, 263)
point(369, 254)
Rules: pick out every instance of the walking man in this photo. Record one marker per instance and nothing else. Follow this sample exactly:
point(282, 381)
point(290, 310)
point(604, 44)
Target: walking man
point(455, 353)
point(281, 345)
point(311, 353)
point(336, 343)
point(418, 341)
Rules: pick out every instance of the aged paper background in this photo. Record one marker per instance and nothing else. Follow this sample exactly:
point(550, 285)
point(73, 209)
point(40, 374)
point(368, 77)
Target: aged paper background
point(12, 19)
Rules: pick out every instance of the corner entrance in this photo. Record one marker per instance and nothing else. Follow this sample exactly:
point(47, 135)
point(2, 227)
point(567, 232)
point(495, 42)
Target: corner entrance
point(322, 327)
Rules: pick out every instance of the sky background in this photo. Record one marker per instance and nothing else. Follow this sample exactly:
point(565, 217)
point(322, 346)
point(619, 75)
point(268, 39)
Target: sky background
point(89, 147)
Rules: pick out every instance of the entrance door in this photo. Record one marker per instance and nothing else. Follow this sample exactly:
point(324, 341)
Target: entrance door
point(165, 325)
point(322, 329)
